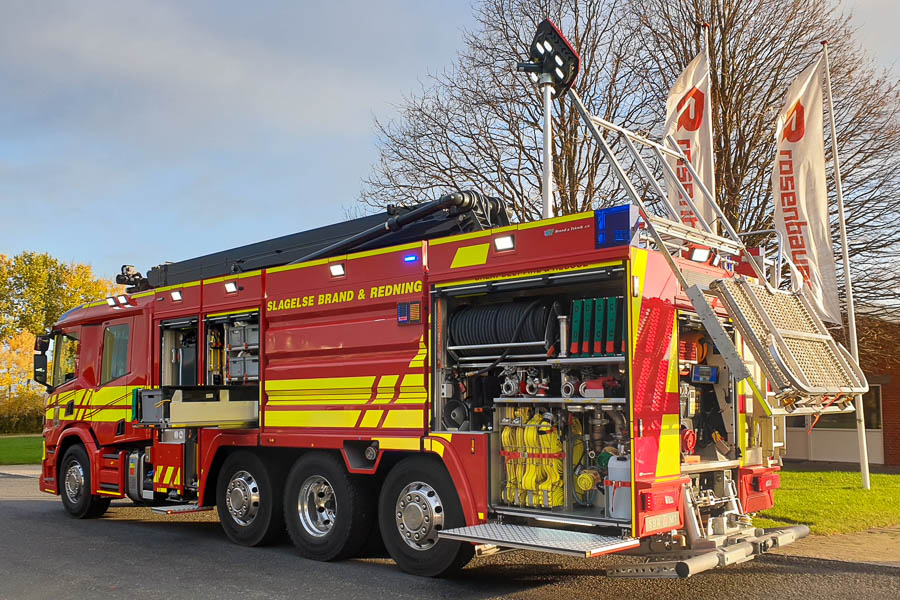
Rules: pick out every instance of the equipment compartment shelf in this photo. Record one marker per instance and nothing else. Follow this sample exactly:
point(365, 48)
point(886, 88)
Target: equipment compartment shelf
point(547, 400)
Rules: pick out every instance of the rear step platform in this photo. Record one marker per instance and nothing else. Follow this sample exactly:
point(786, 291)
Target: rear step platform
point(179, 509)
point(556, 541)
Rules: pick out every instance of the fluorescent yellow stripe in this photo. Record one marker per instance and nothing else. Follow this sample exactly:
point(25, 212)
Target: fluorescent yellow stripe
point(232, 277)
point(157, 474)
point(344, 384)
point(312, 418)
point(434, 446)
point(177, 480)
point(556, 220)
point(460, 237)
point(668, 461)
point(412, 381)
point(371, 418)
point(233, 312)
point(168, 476)
point(528, 274)
point(312, 263)
point(108, 493)
point(388, 250)
point(404, 419)
point(178, 287)
point(398, 443)
point(386, 389)
point(470, 256)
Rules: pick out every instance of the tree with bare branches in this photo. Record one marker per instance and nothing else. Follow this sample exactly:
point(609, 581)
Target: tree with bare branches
point(477, 124)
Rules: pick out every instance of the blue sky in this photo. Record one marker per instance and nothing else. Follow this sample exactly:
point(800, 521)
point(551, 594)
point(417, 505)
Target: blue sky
point(138, 132)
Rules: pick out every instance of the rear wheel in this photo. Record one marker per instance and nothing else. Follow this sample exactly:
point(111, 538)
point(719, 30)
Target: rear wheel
point(248, 500)
point(417, 501)
point(75, 477)
point(328, 512)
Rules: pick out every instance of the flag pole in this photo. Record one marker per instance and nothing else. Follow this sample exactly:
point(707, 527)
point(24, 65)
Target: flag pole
point(848, 285)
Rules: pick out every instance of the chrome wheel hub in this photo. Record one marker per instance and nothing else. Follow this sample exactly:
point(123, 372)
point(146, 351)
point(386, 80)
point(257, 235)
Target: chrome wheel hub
point(242, 498)
point(419, 515)
point(74, 482)
point(316, 506)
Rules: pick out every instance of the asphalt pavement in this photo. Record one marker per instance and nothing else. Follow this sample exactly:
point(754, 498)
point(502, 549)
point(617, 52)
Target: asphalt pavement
point(129, 553)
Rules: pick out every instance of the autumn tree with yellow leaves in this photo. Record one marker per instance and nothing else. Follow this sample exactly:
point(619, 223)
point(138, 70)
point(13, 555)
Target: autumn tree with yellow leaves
point(35, 290)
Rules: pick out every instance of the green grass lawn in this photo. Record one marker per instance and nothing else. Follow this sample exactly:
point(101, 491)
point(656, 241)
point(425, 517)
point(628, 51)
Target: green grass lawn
point(20, 449)
point(833, 502)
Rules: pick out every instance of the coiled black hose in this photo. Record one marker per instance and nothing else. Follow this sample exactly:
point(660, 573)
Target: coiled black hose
point(499, 324)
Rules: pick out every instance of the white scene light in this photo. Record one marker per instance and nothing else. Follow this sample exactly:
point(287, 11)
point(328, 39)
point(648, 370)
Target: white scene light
point(559, 61)
point(700, 254)
point(111, 301)
point(337, 270)
point(539, 47)
point(123, 300)
point(534, 77)
point(231, 287)
point(507, 242)
point(559, 73)
point(176, 296)
point(547, 46)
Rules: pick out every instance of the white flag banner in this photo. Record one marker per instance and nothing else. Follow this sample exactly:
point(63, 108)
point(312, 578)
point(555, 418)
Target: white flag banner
point(801, 198)
point(689, 121)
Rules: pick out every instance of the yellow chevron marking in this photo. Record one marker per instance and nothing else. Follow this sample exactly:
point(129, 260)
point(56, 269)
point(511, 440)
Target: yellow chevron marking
point(385, 390)
point(404, 419)
point(371, 418)
point(470, 256)
point(168, 475)
point(419, 359)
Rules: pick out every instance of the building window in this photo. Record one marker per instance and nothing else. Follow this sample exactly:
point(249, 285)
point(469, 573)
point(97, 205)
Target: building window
point(795, 421)
point(871, 408)
point(115, 353)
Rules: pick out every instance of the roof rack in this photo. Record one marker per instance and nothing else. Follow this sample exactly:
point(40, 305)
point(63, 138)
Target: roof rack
point(457, 212)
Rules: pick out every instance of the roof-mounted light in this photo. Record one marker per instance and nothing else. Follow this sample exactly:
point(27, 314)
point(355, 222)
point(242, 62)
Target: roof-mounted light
point(111, 301)
point(122, 299)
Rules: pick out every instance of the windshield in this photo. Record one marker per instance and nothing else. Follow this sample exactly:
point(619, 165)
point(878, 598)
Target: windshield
point(65, 358)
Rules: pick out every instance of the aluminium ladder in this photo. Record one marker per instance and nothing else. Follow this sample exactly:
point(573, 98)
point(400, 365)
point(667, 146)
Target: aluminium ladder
point(807, 370)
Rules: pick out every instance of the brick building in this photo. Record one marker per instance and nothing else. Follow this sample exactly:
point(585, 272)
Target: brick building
point(834, 437)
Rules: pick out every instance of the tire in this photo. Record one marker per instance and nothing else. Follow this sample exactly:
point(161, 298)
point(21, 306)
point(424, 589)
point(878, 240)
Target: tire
point(248, 500)
point(328, 512)
point(75, 488)
point(418, 498)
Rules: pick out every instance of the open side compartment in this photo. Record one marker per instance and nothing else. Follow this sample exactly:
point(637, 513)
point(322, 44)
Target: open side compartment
point(539, 365)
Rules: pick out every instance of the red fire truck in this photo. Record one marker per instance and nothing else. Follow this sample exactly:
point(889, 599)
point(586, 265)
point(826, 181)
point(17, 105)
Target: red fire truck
point(450, 383)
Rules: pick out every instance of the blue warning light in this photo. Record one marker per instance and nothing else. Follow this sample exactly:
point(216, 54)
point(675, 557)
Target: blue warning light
point(410, 258)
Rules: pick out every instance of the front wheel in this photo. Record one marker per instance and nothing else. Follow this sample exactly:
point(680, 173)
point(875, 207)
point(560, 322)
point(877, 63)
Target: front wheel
point(248, 501)
point(75, 476)
point(417, 501)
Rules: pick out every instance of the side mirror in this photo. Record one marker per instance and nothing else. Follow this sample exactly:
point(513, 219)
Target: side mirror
point(40, 370)
point(42, 343)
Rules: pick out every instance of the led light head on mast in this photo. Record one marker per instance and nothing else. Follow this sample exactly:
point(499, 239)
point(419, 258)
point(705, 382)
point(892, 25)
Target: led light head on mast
point(553, 55)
